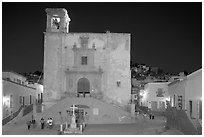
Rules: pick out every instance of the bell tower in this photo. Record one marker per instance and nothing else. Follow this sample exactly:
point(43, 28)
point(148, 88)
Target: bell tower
point(56, 28)
point(57, 20)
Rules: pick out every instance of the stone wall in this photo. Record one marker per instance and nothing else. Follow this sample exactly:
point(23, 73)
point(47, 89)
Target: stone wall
point(112, 54)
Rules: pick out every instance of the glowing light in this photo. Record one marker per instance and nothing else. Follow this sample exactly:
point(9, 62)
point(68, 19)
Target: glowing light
point(167, 98)
point(6, 100)
point(141, 94)
point(41, 88)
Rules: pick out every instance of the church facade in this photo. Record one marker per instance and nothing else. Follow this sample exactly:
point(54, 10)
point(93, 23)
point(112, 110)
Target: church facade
point(85, 64)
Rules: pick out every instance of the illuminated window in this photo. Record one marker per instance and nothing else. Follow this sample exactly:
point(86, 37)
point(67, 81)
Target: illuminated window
point(84, 60)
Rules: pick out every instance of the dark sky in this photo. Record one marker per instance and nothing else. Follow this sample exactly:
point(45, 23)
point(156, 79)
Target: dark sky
point(166, 35)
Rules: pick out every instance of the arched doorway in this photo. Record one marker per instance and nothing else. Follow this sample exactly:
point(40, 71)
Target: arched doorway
point(83, 86)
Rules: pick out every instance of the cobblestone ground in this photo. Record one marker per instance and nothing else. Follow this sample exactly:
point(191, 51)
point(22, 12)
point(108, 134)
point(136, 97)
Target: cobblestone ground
point(140, 126)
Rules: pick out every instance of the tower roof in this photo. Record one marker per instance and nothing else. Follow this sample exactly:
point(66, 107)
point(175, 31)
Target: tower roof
point(52, 11)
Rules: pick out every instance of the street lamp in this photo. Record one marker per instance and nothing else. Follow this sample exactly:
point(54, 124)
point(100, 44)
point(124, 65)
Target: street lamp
point(141, 94)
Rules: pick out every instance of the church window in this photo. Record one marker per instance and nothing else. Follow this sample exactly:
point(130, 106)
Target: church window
point(84, 41)
point(84, 60)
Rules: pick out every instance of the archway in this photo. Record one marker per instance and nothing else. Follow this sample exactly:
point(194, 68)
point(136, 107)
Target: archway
point(83, 86)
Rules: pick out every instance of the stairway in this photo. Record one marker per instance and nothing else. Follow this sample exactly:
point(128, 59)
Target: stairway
point(99, 112)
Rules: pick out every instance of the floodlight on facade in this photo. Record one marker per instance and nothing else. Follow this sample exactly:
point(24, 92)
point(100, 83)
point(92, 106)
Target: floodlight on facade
point(6, 100)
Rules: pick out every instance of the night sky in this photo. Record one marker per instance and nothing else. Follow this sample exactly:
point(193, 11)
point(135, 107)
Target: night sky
point(164, 35)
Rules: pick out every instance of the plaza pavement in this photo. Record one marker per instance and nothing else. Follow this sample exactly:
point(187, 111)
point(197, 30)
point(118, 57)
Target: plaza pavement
point(140, 126)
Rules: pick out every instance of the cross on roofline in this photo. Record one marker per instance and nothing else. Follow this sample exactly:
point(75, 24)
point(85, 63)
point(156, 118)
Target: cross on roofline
point(73, 107)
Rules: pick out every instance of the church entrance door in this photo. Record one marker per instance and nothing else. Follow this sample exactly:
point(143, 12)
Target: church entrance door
point(83, 86)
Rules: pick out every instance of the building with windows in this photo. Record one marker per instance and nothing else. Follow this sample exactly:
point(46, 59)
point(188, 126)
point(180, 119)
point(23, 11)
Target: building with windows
point(186, 94)
point(193, 94)
point(155, 96)
point(84, 64)
point(15, 77)
point(17, 92)
point(186, 97)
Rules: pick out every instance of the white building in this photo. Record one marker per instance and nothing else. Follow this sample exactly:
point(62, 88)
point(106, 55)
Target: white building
point(155, 95)
point(15, 77)
point(186, 94)
point(17, 92)
point(193, 94)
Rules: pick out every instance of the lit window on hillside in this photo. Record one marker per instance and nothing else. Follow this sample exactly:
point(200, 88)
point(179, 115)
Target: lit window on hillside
point(18, 81)
point(84, 60)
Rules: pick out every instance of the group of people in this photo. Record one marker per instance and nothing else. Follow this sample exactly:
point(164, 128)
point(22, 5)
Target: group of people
point(145, 115)
point(49, 123)
point(80, 120)
point(151, 116)
point(42, 122)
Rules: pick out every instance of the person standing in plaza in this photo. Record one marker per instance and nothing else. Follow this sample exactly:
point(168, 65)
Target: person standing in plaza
point(150, 115)
point(28, 124)
point(42, 121)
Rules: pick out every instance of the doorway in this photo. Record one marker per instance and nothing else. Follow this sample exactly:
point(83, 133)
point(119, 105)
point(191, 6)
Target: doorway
point(154, 106)
point(200, 109)
point(190, 108)
point(83, 86)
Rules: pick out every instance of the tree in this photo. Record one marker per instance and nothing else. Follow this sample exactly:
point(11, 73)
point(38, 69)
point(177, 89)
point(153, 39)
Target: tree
point(185, 72)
